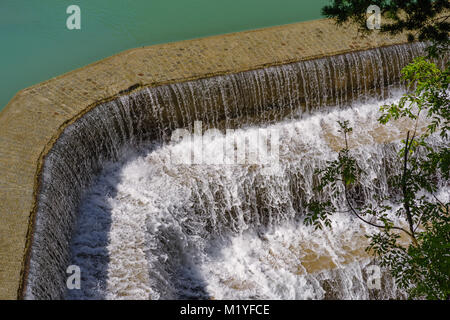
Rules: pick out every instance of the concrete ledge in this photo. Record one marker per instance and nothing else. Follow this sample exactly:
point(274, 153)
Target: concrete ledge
point(36, 117)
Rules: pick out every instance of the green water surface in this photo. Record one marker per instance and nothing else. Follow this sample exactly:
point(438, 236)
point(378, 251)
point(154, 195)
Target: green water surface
point(36, 44)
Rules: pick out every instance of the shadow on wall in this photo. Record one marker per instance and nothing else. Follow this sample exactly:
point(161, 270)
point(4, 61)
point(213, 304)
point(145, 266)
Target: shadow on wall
point(178, 276)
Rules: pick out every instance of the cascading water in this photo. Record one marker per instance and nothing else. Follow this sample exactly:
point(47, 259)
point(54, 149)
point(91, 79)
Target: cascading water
point(150, 228)
point(147, 229)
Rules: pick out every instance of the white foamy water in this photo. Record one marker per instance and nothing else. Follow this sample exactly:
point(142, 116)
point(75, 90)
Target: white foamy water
point(151, 229)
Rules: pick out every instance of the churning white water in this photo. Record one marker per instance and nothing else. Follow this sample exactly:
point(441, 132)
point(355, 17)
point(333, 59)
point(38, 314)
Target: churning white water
point(244, 196)
point(152, 229)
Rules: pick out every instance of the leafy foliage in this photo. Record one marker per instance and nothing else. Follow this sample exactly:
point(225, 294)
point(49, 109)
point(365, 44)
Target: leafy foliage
point(423, 20)
point(421, 265)
point(429, 93)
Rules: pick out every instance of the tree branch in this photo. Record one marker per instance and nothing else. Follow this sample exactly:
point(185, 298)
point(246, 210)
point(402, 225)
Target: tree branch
point(371, 223)
point(405, 188)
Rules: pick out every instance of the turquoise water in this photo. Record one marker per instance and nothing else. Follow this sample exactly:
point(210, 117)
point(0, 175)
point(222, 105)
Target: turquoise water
point(36, 44)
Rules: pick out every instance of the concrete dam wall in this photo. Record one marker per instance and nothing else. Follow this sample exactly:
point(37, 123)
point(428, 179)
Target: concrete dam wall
point(56, 137)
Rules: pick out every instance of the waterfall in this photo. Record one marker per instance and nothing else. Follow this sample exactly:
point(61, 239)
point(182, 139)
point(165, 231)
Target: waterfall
point(161, 230)
point(100, 139)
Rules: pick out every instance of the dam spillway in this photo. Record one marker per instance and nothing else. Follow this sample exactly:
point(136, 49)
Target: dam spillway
point(259, 97)
point(162, 230)
point(135, 113)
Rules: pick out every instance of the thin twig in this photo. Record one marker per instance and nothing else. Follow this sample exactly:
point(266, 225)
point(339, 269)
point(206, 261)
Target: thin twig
point(373, 224)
